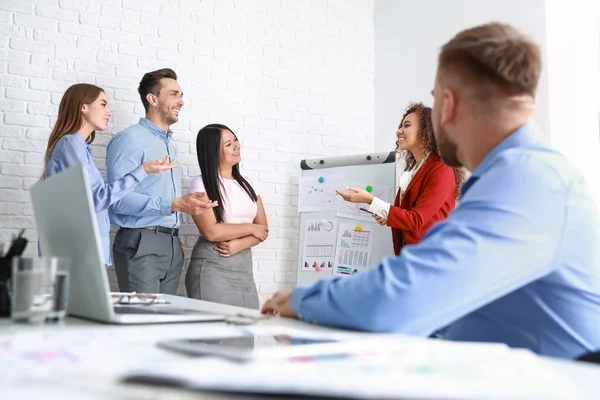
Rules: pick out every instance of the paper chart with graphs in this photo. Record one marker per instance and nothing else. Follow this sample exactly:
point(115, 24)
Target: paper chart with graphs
point(354, 243)
point(353, 210)
point(319, 244)
point(318, 193)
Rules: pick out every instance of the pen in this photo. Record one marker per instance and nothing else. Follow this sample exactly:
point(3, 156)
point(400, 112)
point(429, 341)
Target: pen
point(365, 210)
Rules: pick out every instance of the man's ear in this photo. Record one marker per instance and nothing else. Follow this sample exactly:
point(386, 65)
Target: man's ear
point(448, 106)
point(151, 99)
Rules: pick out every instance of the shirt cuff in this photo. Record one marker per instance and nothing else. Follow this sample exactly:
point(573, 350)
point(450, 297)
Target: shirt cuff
point(139, 174)
point(165, 206)
point(296, 300)
point(380, 207)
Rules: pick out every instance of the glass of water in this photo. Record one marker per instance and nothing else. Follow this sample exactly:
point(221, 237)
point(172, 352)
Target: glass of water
point(40, 288)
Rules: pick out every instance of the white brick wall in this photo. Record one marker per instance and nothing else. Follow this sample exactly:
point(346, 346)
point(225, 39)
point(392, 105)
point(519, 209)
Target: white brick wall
point(293, 78)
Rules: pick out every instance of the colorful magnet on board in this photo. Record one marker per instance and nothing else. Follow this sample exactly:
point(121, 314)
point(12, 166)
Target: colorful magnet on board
point(317, 268)
point(321, 180)
point(369, 188)
point(358, 228)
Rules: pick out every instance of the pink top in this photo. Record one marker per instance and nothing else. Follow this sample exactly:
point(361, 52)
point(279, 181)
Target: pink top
point(239, 207)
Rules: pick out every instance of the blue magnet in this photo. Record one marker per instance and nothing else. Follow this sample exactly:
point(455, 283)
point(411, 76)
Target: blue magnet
point(321, 180)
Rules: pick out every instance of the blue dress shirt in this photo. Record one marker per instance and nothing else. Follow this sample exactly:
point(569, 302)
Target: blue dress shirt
point(71, 150)
point(150, 203)
point(517, 262)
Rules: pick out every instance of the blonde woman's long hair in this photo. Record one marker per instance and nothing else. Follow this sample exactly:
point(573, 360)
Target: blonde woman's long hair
point(70, 118)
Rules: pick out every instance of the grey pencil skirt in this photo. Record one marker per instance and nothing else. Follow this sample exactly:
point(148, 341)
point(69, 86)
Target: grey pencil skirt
point(221, 280)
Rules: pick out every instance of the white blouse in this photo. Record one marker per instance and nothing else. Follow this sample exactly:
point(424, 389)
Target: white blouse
point(381, 207)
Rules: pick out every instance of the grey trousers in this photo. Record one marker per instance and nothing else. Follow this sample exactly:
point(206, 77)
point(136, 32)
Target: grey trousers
point(221, 280)
point(147, 261)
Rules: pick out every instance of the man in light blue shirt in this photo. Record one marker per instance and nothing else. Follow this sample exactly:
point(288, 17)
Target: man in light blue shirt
point(148, 253)
point(518, 261)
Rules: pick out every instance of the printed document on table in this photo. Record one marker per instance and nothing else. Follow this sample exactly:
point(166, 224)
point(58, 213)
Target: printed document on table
point(399, 369)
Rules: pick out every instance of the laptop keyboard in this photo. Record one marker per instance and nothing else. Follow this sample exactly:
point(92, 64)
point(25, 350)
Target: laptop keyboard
point(154, 310)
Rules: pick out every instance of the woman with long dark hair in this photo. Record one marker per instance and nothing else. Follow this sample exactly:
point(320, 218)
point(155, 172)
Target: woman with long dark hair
point(427, 188)
point(83, 110)
point(220, 269)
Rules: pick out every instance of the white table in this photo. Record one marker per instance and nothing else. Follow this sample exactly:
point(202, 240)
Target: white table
point(583, 375)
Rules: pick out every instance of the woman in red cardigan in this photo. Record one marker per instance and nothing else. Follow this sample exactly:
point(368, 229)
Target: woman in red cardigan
point(428, 188)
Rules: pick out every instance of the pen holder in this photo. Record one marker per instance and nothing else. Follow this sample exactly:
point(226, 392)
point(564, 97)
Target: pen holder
point(17, 247)
point(4, 300)
point(5, 272)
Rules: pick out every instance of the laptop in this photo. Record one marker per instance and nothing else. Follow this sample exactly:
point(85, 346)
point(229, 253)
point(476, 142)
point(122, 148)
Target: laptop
point(67, 227)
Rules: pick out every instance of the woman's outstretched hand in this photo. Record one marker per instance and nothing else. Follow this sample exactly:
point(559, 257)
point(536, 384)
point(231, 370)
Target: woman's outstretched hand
point(356, 195)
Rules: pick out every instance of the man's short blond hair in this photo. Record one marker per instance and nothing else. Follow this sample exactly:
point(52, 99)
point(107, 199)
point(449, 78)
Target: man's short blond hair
point(492, 61)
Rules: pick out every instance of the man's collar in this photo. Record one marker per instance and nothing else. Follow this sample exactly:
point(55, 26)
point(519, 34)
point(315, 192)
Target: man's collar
point(155, 129)
point(524, 135)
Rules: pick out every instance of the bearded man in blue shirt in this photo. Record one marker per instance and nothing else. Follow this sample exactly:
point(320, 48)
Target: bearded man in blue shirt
point(148, 253)
point(518, 261)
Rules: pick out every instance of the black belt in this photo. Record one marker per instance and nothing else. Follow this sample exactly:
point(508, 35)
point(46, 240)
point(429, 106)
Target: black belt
point(161, 229)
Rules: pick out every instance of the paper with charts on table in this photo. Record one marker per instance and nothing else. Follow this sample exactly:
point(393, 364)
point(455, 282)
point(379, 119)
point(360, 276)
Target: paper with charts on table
point(136, 298)
point(319, 244)
point(353, 210)
point(397, 367)
point(353, 248)
point(317, 193)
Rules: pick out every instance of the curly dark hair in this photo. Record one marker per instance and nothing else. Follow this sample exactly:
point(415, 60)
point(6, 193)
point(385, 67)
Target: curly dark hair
point(427, 139)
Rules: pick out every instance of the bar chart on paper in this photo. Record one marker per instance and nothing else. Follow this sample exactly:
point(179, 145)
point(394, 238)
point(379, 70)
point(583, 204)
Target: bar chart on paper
point(320, 250)
point(353, 249)
point(319, 247)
